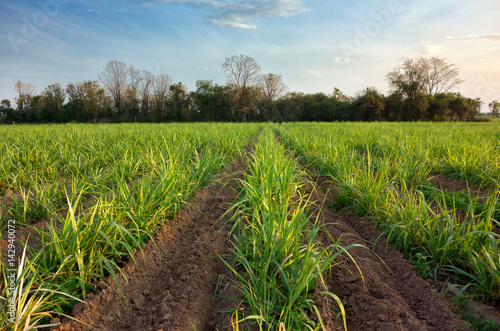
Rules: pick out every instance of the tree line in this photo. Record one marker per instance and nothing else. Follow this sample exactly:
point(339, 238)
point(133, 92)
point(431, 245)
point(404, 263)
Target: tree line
point(420, 89)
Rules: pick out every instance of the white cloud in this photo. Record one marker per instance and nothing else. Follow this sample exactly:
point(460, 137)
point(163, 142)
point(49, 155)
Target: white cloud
point(94, 11)
point(237, 14)
point(341, 60)
point(488, 37)
point(315, 73)
point(235, 25)
point(200, 3)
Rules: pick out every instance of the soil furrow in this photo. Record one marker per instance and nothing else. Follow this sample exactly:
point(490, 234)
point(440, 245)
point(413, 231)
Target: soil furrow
point(392, 296)
point(173, 286)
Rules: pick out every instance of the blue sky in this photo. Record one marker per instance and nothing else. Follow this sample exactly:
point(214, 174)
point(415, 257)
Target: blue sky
point(315, 45)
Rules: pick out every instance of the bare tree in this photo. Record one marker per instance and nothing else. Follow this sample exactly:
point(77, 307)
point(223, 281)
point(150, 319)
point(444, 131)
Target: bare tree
point(135, 78)
point(272, 87)
point(132, 92)
point(241, 70)
point(242, 73)
point(114, 78)
point(146, 87)
point(25, 92)
point(425, 75)
point(161, 85)
point(440, 76)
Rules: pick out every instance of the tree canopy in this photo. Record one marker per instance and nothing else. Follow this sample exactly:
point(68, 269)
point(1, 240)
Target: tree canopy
point(420, 89)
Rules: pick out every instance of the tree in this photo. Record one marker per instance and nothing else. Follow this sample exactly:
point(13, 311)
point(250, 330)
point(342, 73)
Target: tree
point(93, 98)
point(53, 97)
point(242, 73)
point(145, 87)
point(419, 78)
point(75, 107)
point(132, 91)
point(463, 109)
point(25, 92)
point(114, 78)
point(7, 114)
point(272, 87)
point(369, 105)
point(439, 76)
point(5, 103)
point(291, 108)
point(178, 101)
point(339, 96)
point(161, 85)
point(212, 101)
point(494, 108)
point(409, 82)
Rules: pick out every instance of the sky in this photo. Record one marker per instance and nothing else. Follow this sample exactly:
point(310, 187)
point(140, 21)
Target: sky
point(315, 45)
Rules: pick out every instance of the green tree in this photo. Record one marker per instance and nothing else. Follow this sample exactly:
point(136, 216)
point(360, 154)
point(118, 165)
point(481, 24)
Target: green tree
point(369, 105)
point(178, 102)
point(53, 97)
point(94, 99)
point(212, 101)
point(74, 109)
point(7, 113)
point(494, 108)
point(409, 81)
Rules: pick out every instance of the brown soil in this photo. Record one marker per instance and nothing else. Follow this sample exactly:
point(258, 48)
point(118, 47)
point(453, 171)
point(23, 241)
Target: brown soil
point(23, 234)
point(392, 296)
point(173, 287)
point(446, 183)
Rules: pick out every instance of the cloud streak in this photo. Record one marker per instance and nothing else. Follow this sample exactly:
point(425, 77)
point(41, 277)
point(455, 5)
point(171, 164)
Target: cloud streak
point(315, 73)
point(234, 25)
point(239, 14)
point(488, 37)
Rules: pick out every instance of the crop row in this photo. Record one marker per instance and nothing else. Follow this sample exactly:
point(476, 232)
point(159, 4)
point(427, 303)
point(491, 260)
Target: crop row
point(102, 191)
point(277, 260)
point(43, 165)
point(152, 172)
point(382, 172)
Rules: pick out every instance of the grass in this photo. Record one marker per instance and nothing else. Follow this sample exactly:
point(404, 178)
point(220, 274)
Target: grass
point(382, 175)
point(105, 190)
point(277, 261)
point(119, 188)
